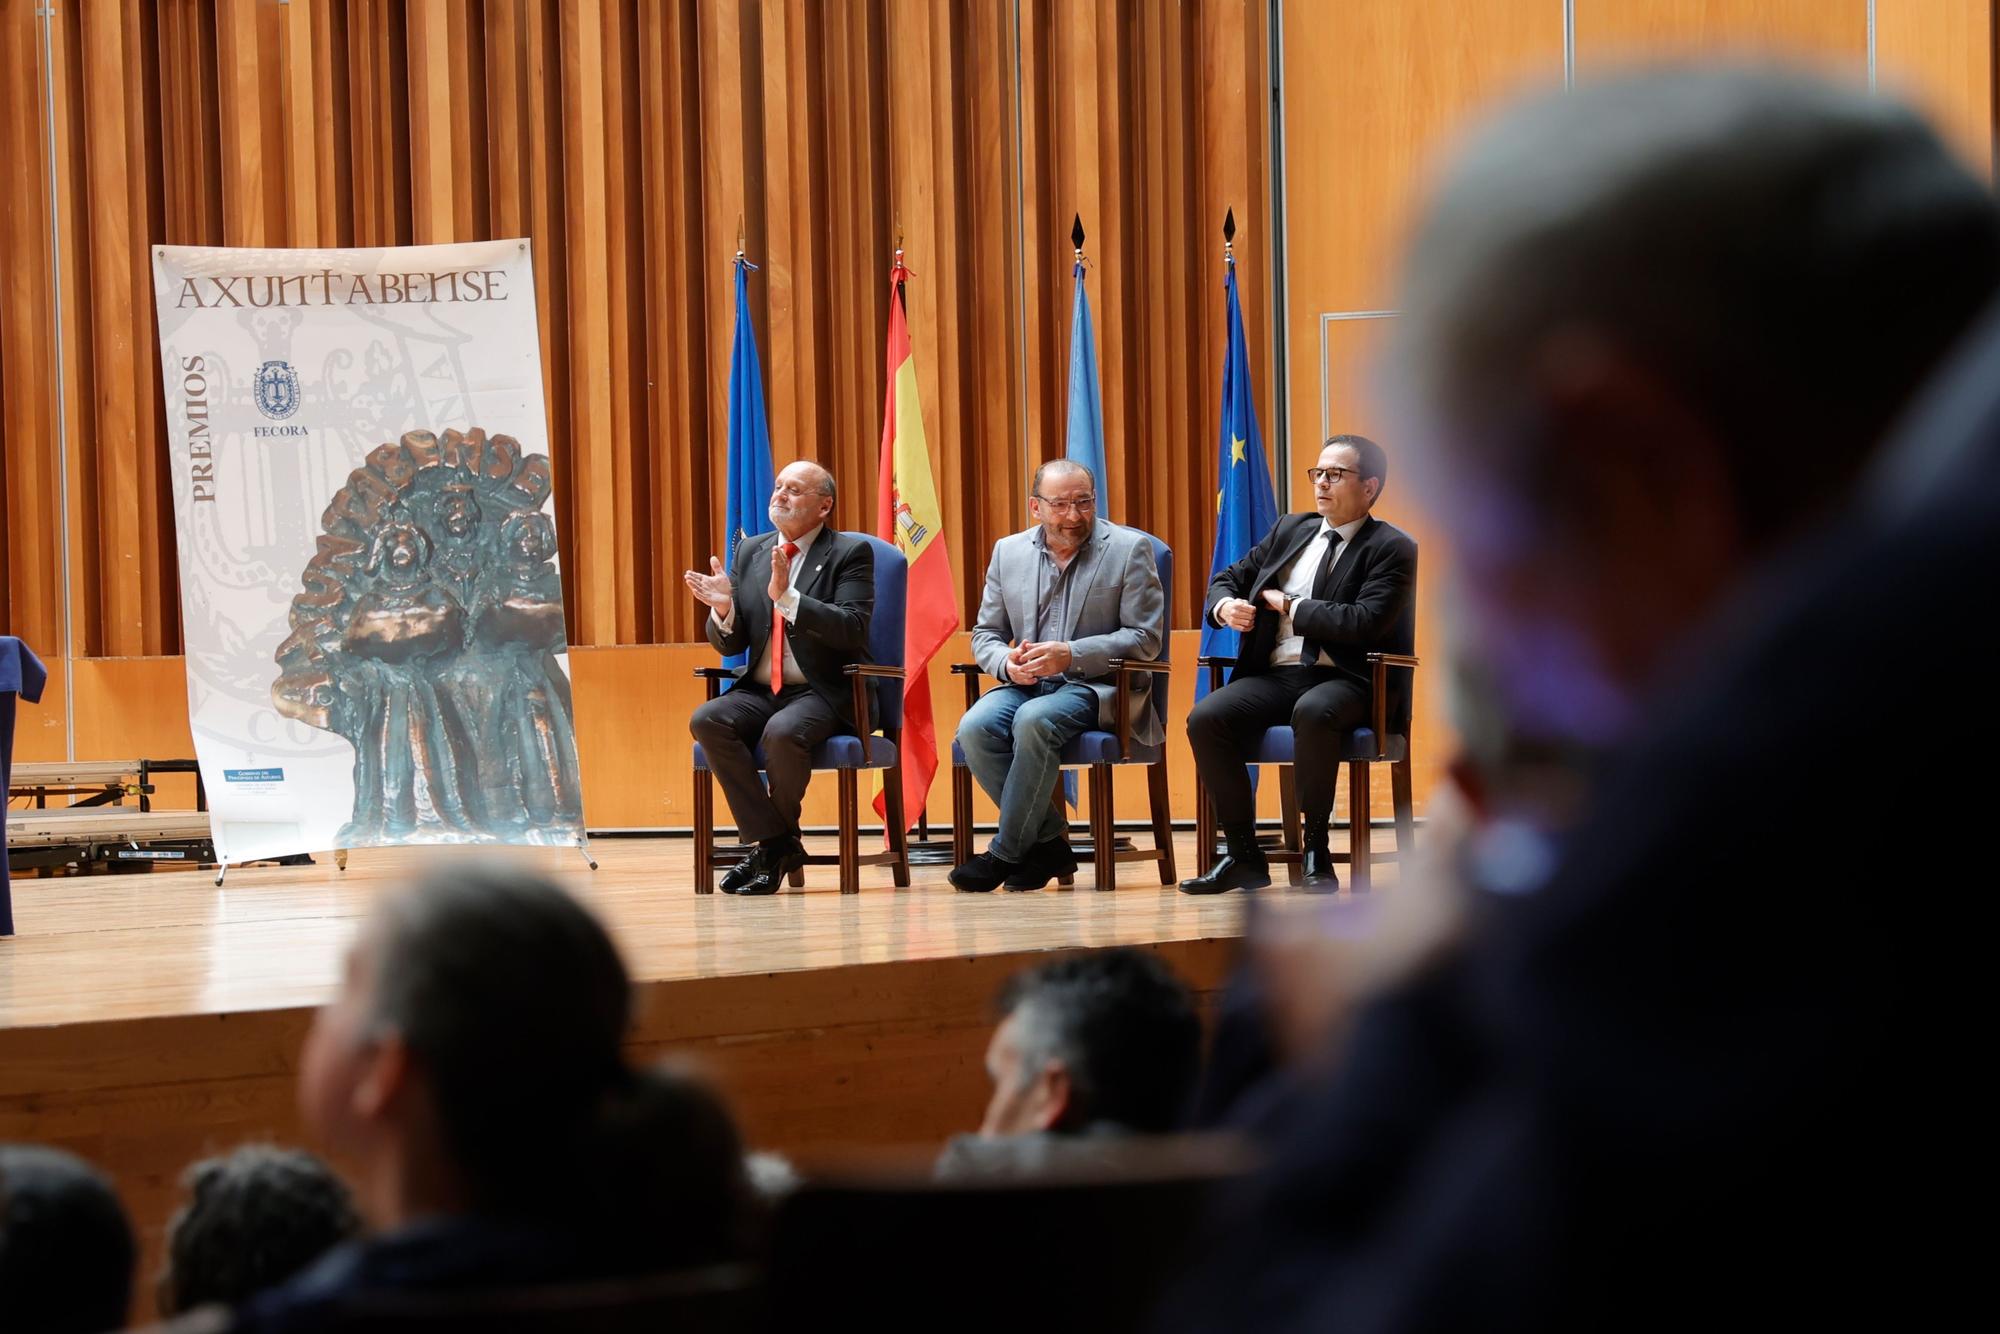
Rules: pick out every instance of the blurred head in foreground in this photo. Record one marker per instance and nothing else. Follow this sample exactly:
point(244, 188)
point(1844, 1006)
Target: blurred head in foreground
point(1652, 330)
point(253, 1218)
point(471, 1066)
point(66, 1250)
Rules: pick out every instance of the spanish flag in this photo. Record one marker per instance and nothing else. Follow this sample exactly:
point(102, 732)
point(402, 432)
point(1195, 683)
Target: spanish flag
point(907, 514)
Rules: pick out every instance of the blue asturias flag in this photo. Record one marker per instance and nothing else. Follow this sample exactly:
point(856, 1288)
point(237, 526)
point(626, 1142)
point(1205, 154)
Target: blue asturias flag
point(1245, 505)
point(748, 509)
point(1086, 404)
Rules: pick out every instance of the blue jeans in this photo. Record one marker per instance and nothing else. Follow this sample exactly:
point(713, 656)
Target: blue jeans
point(1013, 739)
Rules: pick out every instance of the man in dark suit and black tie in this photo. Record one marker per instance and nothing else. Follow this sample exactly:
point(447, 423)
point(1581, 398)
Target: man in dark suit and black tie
point(798, 601)
point(1319, 594)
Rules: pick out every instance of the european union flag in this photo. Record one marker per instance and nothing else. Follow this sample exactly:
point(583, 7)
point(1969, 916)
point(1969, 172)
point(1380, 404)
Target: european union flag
point(1086, 404)
point(1245, 505)
point(748, 509)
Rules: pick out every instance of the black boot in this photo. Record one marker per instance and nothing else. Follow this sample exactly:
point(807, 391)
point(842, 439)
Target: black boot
point(1318, 873)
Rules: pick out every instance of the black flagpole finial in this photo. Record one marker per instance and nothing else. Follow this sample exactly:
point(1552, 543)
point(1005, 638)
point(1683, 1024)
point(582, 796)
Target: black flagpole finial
point(1229, 227)
point(1076, 233)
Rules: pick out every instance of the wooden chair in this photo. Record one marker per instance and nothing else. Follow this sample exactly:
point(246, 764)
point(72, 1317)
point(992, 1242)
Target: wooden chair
point(1386, 741)
point(848, 756)
point(1096, 751)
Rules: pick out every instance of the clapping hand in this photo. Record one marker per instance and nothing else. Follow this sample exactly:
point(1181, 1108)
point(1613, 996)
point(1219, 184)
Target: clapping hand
point(715, 588)
point(781, 571)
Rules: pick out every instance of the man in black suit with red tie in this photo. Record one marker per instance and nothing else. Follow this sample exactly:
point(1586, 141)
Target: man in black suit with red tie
point(1319, 594)
point(798, 601)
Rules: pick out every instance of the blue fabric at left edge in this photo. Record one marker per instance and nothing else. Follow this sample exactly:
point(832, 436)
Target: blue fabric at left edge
point(21, 673)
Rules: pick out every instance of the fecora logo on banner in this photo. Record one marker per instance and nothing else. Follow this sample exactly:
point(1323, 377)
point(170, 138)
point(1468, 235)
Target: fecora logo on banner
point(277, 389)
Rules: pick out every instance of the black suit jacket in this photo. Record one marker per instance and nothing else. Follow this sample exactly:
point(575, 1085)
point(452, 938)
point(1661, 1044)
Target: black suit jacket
point(1370, 604)
point(836, 602)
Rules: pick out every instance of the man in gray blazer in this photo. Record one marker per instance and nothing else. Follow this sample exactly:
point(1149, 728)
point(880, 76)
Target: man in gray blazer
point(1062, 600)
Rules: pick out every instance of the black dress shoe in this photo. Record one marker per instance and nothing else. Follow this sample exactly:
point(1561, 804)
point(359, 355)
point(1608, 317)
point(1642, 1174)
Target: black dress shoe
point(1230, 873)
point(1044, 862)
point(743, 872)
point(773, 865)
point(983, 873)
point(1318, 873)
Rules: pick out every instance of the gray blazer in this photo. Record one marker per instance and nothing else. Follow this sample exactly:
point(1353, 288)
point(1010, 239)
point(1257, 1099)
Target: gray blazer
point(1121, 614)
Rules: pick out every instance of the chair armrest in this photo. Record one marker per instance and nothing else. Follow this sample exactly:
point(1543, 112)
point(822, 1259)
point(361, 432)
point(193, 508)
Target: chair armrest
point(1215, 663)
point(970, 671)
point(1153, 665)
point(1380, 663)
point(860, 674)
point(714, 677)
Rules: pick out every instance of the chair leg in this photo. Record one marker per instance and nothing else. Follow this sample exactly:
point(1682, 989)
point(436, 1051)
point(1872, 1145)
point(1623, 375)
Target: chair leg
point(1067, 879)
point(1288, 813)
point(961, 814)
point(1358, 827)
point(899, 829)
point(704, 832)
point(1406, 812)
point(1103, 841)
point(850, 831)
point(1204, 828)
point(1163, 819)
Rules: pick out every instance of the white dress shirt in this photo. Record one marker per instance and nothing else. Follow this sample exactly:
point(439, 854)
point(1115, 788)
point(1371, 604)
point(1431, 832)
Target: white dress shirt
point(787, 604)
point(1298, 583)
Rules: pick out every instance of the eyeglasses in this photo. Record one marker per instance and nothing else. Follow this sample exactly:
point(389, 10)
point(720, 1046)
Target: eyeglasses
point(1329, 476)
point(796, 491)
point(1083, 505)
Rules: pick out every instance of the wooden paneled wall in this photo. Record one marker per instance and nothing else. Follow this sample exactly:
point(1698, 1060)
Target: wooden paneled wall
point(630, 139)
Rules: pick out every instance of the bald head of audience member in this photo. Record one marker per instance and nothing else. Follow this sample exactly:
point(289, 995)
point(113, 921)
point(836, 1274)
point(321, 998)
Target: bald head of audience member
point(1654, 329)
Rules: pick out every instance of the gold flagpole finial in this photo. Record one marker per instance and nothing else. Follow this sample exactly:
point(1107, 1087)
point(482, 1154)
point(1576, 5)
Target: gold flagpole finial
point(739, 236)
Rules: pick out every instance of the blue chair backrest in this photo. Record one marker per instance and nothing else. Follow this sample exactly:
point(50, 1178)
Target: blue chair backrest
point(1163, 557)
point(885, 627)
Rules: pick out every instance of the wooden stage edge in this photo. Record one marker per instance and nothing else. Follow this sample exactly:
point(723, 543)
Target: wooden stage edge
point(147, 1020)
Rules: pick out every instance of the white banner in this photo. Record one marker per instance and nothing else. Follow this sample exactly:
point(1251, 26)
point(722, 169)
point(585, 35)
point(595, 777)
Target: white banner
point(369, 588)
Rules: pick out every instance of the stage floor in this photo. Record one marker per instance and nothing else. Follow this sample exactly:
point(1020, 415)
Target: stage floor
point(150, 1019)
point(170, 943)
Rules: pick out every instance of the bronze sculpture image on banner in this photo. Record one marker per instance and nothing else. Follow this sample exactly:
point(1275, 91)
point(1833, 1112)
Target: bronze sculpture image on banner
point(427, 633)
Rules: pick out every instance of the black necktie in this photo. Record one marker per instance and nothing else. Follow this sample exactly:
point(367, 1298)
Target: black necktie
point(1319, 589)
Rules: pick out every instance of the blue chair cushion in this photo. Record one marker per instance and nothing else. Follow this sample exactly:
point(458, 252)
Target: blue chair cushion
point(840, 752)
point(1090, 748)
point(1102, 748)
point(1277, 746)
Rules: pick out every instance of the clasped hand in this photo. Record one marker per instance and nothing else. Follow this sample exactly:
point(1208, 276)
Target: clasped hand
point(1028, 661)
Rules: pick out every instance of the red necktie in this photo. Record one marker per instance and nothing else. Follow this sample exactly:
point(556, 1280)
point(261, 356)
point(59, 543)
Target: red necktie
point(778, 633)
